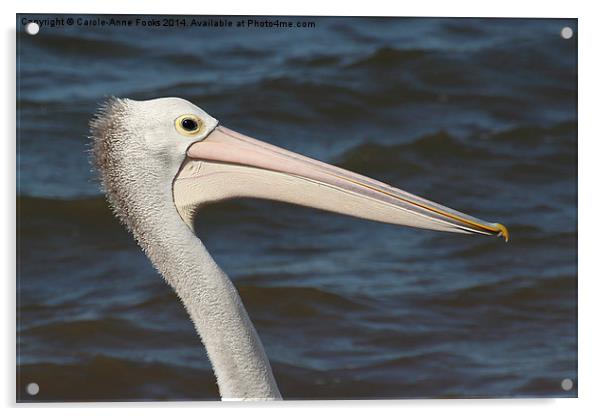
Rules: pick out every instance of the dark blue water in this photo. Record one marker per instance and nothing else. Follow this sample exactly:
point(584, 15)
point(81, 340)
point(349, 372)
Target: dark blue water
point(477, 114)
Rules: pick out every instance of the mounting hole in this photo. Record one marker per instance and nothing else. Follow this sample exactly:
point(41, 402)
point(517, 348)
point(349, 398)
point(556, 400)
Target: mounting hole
point(32, 389)
point(32, 28)
point(566, 32)
point(566, 384)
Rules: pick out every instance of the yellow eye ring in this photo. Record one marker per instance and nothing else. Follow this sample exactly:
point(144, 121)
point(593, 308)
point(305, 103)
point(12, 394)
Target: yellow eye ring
point(189, 124)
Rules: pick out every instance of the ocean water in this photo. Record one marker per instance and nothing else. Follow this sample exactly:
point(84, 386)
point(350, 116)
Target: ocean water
point(477, 114)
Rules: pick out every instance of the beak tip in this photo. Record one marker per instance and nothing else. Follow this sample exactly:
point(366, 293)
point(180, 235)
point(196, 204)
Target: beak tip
point(503, 232)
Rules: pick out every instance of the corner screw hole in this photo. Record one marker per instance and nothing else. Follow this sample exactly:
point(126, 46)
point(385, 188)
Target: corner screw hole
point(566, 32)
point(32, 28)
point(32, 389)
point(567, 384)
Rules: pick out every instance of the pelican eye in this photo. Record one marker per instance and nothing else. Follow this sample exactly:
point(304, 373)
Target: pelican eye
point(188, 125)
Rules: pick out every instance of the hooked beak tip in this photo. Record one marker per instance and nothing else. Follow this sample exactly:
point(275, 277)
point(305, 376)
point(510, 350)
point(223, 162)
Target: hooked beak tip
point(502, 232)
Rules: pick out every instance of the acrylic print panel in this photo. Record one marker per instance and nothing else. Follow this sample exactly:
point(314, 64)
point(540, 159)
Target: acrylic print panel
point(476, 114)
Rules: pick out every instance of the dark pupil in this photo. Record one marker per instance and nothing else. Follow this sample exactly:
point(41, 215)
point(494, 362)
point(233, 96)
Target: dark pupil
point(189, 124)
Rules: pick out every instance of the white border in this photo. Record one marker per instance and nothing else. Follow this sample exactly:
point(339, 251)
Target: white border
point(590, 276)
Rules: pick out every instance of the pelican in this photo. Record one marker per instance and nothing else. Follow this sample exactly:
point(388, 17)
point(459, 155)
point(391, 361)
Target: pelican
point(160, 160)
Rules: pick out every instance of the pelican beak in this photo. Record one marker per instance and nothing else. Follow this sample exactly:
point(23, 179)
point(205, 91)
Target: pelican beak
point(227, 164)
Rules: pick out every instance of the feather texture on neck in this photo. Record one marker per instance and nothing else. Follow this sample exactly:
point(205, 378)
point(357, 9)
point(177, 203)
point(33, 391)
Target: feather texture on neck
point(137, 180)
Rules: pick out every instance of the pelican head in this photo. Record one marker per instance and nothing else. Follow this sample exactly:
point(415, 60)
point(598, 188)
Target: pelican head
point(159, 160)
point(190, 159)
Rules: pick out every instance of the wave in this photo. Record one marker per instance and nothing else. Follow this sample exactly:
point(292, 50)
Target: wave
point(75, 46)
point(407, 159)
point(534, 135)
point(106, 378)
point(388, 57)
point(556, 143)
point(106, 332)
point(446, 145)
point(336, 98)
point(297, 302)
point(316, 61)
point(374, 157)
point(85, 212)
point(522, 293)
point(436, 358)
point(463, 27)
